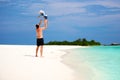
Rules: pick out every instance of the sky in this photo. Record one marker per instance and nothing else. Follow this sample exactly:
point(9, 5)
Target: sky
point(97, 20)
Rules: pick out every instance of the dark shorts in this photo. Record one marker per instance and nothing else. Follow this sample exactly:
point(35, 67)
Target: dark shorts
point(40, 41)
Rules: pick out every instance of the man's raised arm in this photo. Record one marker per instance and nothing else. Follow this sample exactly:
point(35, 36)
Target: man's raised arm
point(45, 24)
point(40, 22)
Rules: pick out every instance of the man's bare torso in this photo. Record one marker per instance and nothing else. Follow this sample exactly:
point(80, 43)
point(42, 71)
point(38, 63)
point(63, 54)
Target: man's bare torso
point(39, 33)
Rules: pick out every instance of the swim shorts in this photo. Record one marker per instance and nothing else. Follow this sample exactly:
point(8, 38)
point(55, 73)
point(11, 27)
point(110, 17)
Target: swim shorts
point(40, 41)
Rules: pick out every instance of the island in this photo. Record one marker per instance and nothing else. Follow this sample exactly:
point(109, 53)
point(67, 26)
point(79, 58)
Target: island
point(81, 42)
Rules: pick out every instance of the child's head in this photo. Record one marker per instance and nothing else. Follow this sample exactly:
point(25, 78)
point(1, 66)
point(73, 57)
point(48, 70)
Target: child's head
point(42, 12)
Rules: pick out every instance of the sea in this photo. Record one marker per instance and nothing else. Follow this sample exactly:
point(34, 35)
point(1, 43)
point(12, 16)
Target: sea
point(94, 62)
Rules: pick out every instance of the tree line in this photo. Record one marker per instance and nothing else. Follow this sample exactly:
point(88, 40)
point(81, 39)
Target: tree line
point(81, 42)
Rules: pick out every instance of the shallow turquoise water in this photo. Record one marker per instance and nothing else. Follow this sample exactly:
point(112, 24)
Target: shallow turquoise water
point(100, 62)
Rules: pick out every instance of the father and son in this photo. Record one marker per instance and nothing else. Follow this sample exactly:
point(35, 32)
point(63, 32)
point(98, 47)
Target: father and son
point(39, 33)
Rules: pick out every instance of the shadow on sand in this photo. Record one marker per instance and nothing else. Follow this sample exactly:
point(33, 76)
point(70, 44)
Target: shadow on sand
point(29, 55)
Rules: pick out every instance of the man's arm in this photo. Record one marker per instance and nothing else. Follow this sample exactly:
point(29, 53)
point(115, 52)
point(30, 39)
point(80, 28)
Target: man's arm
point(45, 24)
point(40, 22)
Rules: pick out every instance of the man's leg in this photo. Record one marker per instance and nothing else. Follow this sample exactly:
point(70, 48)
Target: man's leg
point(37, 51)
point(41, 51)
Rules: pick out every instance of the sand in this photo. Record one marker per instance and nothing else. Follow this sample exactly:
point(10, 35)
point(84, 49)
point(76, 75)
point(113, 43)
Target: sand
point(18, 62)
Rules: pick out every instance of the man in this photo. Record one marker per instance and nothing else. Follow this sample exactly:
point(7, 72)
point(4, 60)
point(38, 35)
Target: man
point(39, 35)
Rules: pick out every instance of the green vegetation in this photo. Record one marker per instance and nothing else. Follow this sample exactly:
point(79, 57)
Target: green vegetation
point(81, 42)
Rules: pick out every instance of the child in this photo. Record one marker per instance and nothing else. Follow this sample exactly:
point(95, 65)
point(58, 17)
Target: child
point(42, 14)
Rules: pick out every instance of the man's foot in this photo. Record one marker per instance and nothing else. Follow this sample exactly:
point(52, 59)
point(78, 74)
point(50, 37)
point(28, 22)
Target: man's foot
point(41, 56)
point(36, 56)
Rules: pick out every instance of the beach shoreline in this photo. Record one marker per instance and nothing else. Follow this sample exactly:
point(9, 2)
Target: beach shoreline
point(18, 62)
point(81, 70)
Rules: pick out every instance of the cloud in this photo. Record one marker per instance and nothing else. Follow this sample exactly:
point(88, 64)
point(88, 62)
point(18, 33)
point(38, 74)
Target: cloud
point(32, 9)
point(4, 0)
point(79, 21)
point(59, 8)
point(65, 8)
point(78, 12)
point(109, 4)
point(53, 9)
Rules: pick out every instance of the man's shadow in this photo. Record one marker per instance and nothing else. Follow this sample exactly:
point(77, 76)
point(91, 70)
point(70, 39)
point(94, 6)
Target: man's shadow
point(29, 55)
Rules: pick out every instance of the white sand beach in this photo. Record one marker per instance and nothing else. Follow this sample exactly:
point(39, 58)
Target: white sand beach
point(18, 62)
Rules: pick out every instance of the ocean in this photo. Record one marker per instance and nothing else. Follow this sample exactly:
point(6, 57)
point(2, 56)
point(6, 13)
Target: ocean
point(94, 63)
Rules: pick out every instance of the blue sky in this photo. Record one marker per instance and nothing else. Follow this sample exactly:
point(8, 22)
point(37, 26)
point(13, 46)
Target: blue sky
point(68, 20)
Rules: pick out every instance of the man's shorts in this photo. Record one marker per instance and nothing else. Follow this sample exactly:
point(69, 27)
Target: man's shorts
point(40, 41)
